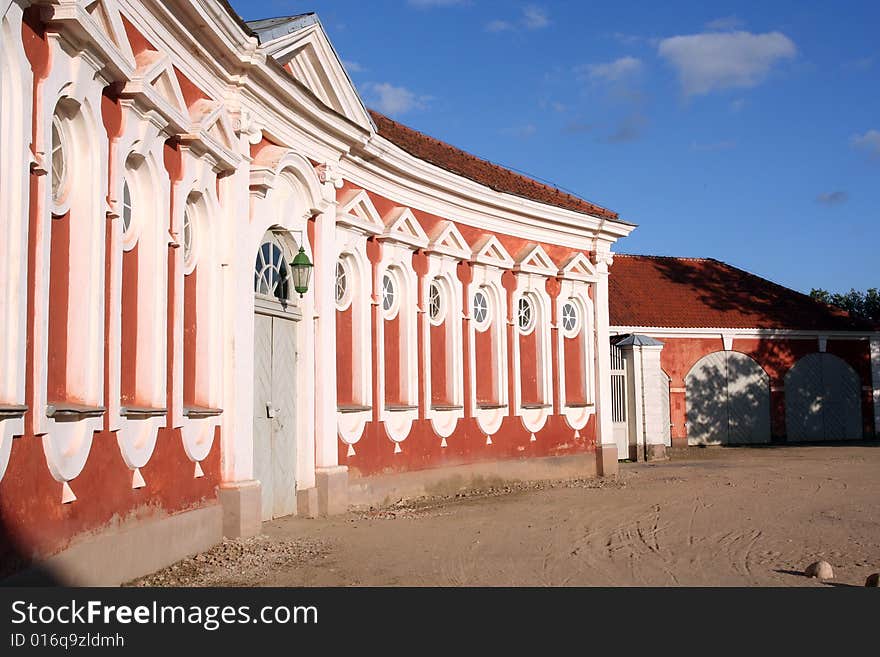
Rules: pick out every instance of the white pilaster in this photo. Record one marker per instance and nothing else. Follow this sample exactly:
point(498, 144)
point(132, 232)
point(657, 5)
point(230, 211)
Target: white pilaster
point(324, 274)
point(605, 434)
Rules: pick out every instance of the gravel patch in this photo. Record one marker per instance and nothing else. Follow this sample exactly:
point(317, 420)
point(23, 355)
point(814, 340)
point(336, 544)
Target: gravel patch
point(237, 562)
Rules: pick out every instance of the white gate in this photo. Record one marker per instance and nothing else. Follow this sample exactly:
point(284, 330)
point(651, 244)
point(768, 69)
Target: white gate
point(619, 426)
point(728, 400)
point(275, 330)
point(822, 400)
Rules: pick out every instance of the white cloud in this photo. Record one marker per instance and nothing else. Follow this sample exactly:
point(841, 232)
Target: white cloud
point(737, 105)
point(630, 128)
point(353, 67)
point(724, 24)
point(614, 71)
point(832, 198)
point(389, 99)
point(499, 26)
point(713, 60)
point(522, 132)
point(870, 142)
point(534, 17)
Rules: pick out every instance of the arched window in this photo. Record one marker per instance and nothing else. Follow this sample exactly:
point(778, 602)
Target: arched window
point(481, 309)
point(341, 286)
point(271, 272)
point(60, 178)
point(126, 207)
point(525, 315)
point(188, 237)
point(570, 319)
point(389, 293)
point(435, 303)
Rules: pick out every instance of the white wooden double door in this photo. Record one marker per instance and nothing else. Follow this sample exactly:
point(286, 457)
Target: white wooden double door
point(275, 413)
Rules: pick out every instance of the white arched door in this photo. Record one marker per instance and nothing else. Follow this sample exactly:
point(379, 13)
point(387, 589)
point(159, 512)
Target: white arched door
point(822, 400)
point(728, 400)
point(274, 380)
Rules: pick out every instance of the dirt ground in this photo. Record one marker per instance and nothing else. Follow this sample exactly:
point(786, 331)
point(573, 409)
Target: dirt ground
point(708, 517)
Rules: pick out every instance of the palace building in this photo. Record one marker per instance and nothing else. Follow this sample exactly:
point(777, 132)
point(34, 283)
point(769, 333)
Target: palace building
point(168, 376)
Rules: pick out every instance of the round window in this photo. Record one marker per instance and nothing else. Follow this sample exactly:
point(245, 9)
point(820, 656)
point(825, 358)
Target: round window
point(341, 283)
point(525, 315)
point(435, 302)
point(387, 293)
point(59, 162)
point(481, 307)
point(188, 230)
point(126, 207)
point(569, 317)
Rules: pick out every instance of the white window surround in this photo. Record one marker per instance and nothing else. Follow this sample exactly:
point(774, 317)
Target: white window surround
point(397, 247)
point(576, 291)
point(142, 174)
point(486, 278)
point(60, 164)
point(16, 80)
point(351, 421)
point(272, 278)
point(190, 236)
point(391, 293)
point(445, 251)
point(71, 94)
point(530, 293)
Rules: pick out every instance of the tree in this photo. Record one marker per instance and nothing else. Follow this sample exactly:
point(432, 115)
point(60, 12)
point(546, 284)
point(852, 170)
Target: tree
point(864, 305)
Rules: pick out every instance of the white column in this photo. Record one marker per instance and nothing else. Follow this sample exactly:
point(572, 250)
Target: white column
point(331, 479)
point(875, 380)
point(606, 457)
point(326, 454)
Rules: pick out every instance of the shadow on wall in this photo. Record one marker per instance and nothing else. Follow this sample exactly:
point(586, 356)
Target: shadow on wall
point(726, 289)
point(728, 401)
point(16, 567)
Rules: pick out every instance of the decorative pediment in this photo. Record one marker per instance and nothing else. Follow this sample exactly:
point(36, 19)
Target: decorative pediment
point(533, 259)
point(356, 209)
point(448, 240)
point(155, 76)
point(578, 267)
point(306, 53)
point(489, 251)
point(401, 225)
point(211, 119)
point(105, 15)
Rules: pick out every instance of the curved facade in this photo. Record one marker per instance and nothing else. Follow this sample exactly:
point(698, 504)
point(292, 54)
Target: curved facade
point(160, 373)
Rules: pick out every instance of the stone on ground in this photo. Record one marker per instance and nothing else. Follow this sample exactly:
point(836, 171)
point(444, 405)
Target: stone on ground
point(820, 570)
point(873, 580)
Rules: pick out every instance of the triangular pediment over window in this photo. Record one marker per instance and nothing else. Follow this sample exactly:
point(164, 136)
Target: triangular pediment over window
point(212, 120)
point(105, 15)
point(154, 76)
point(356, 209)
point(534, 259)
point(489, 251)
point(401, 225)
point(578, 267)
point(301, 46)
point(448, 240)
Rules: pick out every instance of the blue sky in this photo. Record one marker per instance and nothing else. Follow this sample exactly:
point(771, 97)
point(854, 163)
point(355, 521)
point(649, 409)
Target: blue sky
point(743, 131)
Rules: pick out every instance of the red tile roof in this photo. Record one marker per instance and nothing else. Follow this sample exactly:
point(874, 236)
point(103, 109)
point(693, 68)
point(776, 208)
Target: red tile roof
point(486, 173)
point(702, 292)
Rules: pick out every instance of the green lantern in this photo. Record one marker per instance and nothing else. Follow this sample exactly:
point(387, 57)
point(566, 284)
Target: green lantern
point(301, 267)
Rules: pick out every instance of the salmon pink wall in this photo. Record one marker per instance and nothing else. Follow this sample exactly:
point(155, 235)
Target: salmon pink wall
point(574, 369)
point(528, 355)
point(392, 360)
point(344, 359)
point(128, 352)
point(439, 374)
point(776, 356)
point(486, 375)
